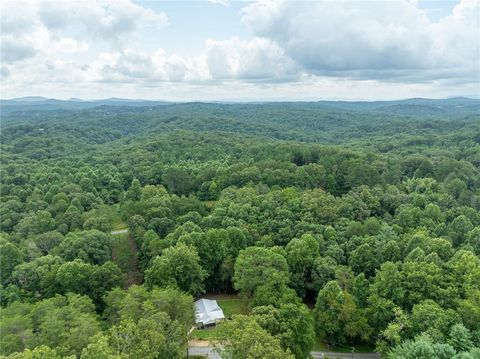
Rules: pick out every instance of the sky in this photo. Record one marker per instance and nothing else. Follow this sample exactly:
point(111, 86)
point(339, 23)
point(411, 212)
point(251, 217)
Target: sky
point(243, 51)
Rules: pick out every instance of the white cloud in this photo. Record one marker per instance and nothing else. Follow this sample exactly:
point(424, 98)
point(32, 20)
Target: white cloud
point(49, 26)
point(4, 72)
point(220, 2)
point(229, 60)
point(457, 37)
point(132, 66)
point(254, 60)
point(70, 46)
point(17, 17)
point(309, 47)
point(12, 50)
point(388, 40)
point(107, 19)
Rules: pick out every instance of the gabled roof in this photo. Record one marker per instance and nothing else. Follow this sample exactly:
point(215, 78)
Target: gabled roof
point(208, 311)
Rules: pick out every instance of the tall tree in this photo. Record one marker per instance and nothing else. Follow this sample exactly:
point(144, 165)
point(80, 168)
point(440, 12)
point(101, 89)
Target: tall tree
point(244, 338)
point(337, 316)
point(255, 266)
point(178, 266)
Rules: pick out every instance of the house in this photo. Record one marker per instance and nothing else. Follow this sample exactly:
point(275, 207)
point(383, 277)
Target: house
point(207, 313)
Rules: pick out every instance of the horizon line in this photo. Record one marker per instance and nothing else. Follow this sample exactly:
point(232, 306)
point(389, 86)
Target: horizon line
point(30, 98)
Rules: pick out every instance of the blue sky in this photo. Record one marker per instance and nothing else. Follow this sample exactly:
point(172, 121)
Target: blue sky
point(436, 10)
point(223, 50)
point(192, 22)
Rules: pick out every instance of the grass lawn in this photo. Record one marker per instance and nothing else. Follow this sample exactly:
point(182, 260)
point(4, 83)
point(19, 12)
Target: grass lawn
point(233, 306)
point(230, 304)
point(205, 334)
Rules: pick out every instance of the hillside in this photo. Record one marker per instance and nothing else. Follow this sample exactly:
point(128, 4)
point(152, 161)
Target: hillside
point(337, 224)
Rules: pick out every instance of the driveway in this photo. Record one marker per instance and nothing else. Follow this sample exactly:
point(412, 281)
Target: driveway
point(332, 355)
point(208, 352)
point(120, 231)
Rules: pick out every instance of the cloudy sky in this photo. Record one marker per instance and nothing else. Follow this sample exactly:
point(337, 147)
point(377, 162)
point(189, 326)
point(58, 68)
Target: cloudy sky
point(221, 50)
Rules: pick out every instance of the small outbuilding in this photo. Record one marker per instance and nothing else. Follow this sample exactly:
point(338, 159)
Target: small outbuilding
point(207, 313)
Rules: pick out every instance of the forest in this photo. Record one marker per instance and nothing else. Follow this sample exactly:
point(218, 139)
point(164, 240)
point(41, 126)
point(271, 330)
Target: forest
point(339, 224)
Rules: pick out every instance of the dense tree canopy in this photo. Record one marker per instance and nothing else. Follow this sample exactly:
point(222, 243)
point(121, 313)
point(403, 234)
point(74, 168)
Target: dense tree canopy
point(245, 338)
point(178, 267)
point(346, 223)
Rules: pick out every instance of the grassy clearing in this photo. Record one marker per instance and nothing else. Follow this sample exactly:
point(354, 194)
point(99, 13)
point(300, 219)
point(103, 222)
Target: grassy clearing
point(121, 253)
point(124, 255)
point(114, 216)
point(234, 304)
point(231, 304)
point(206, 334)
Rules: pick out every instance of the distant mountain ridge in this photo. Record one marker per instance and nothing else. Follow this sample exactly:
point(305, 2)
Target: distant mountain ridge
point(77, 99)
point(29, 99)
point(407, 107)
point(38, 103)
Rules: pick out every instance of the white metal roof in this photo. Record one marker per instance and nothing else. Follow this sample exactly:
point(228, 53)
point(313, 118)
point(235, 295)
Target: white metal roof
point(207, 311)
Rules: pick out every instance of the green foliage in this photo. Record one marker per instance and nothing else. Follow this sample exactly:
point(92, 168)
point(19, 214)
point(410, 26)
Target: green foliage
point(10, 257)
point(64, 323)
point(292, 324)
point(428, 317)
point(256, 267)
point(337, 316)
point(137, 302)
point(423, 348)
point(144, 324)
point(153, 337)
point(41, 352)
point(301, 254)
point(245, 338)
point(178, 267)
point(371, 208)
point(38, 277)
point(91, 246)
point(460, 338)
point(92, 280)
point(150, 338)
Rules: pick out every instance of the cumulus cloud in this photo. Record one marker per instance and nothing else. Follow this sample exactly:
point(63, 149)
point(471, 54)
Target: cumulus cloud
point(12, 50)
point(129, 65)
point(4, 72)
point(68, 26)
point(457, 37)
point(227, 60)
point(298, 44)
point(220, 2)
point(380, 40)
point(17, 17)
point(106, 19)
point(254, 60)
point(386, 41)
